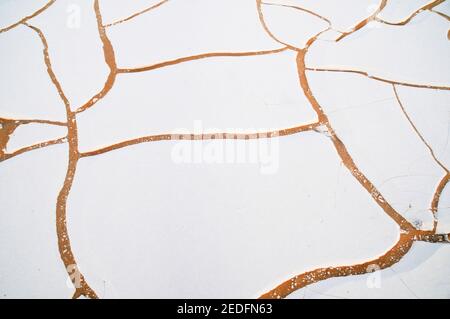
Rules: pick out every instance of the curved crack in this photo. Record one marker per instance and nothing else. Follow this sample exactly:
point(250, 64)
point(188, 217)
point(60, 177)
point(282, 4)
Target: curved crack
point(198, 57)
point(366, 74)
point(210, 136)
point(110, 59)
point(408, 233)
point(391, 257)
point(428, 6)
point(136, 14)
point(65, 250)
point(364, 22)
point(25, 19)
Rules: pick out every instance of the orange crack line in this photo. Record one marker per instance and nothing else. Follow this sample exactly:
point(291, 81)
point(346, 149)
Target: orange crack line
point(437, 196)
point(259, 4)
point(428, 6)
point(266, 28)
point(444, 180)
point(391, 257)
point(7, 156)
point(441, 14)
point(110, 59)
point(210, 136)
point(65, 250)
point(199, 57)
point(136, 14)
point(416, 130)
point(364, 22)
point(422, 86)
point(342, 150)
point(408, 233)
point(37, 121)
point(25, 19)
point(299, 8)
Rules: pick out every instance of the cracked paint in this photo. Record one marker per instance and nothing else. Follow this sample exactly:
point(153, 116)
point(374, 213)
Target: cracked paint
point(410, 232)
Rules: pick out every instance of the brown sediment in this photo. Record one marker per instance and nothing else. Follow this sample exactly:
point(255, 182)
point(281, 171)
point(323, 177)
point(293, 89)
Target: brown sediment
point(110, 59)
point(198, 57)
point(7, 127)
point(25, 19)
point(80, 284)
point(415, 85)
point(210, 136)
point(390, 258)
point(137, 14)
point(428, 6)
point(364, 22)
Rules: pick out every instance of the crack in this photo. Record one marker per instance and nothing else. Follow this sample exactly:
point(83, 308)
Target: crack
point(266, 28)
point(210, 136)
point(136, 14)
point(65, 250)
point(364, 22)
point(36, 121)
point(25, 19)
point(436, 198)
point(376, 78)
point(417, 131)
point(437, 194)
point(198, 57)
point(443, 15)
point(7, 156)
point(391, 257)
point(408, 233)
point(301, 9)
point(428, 6)
point(110, 60)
